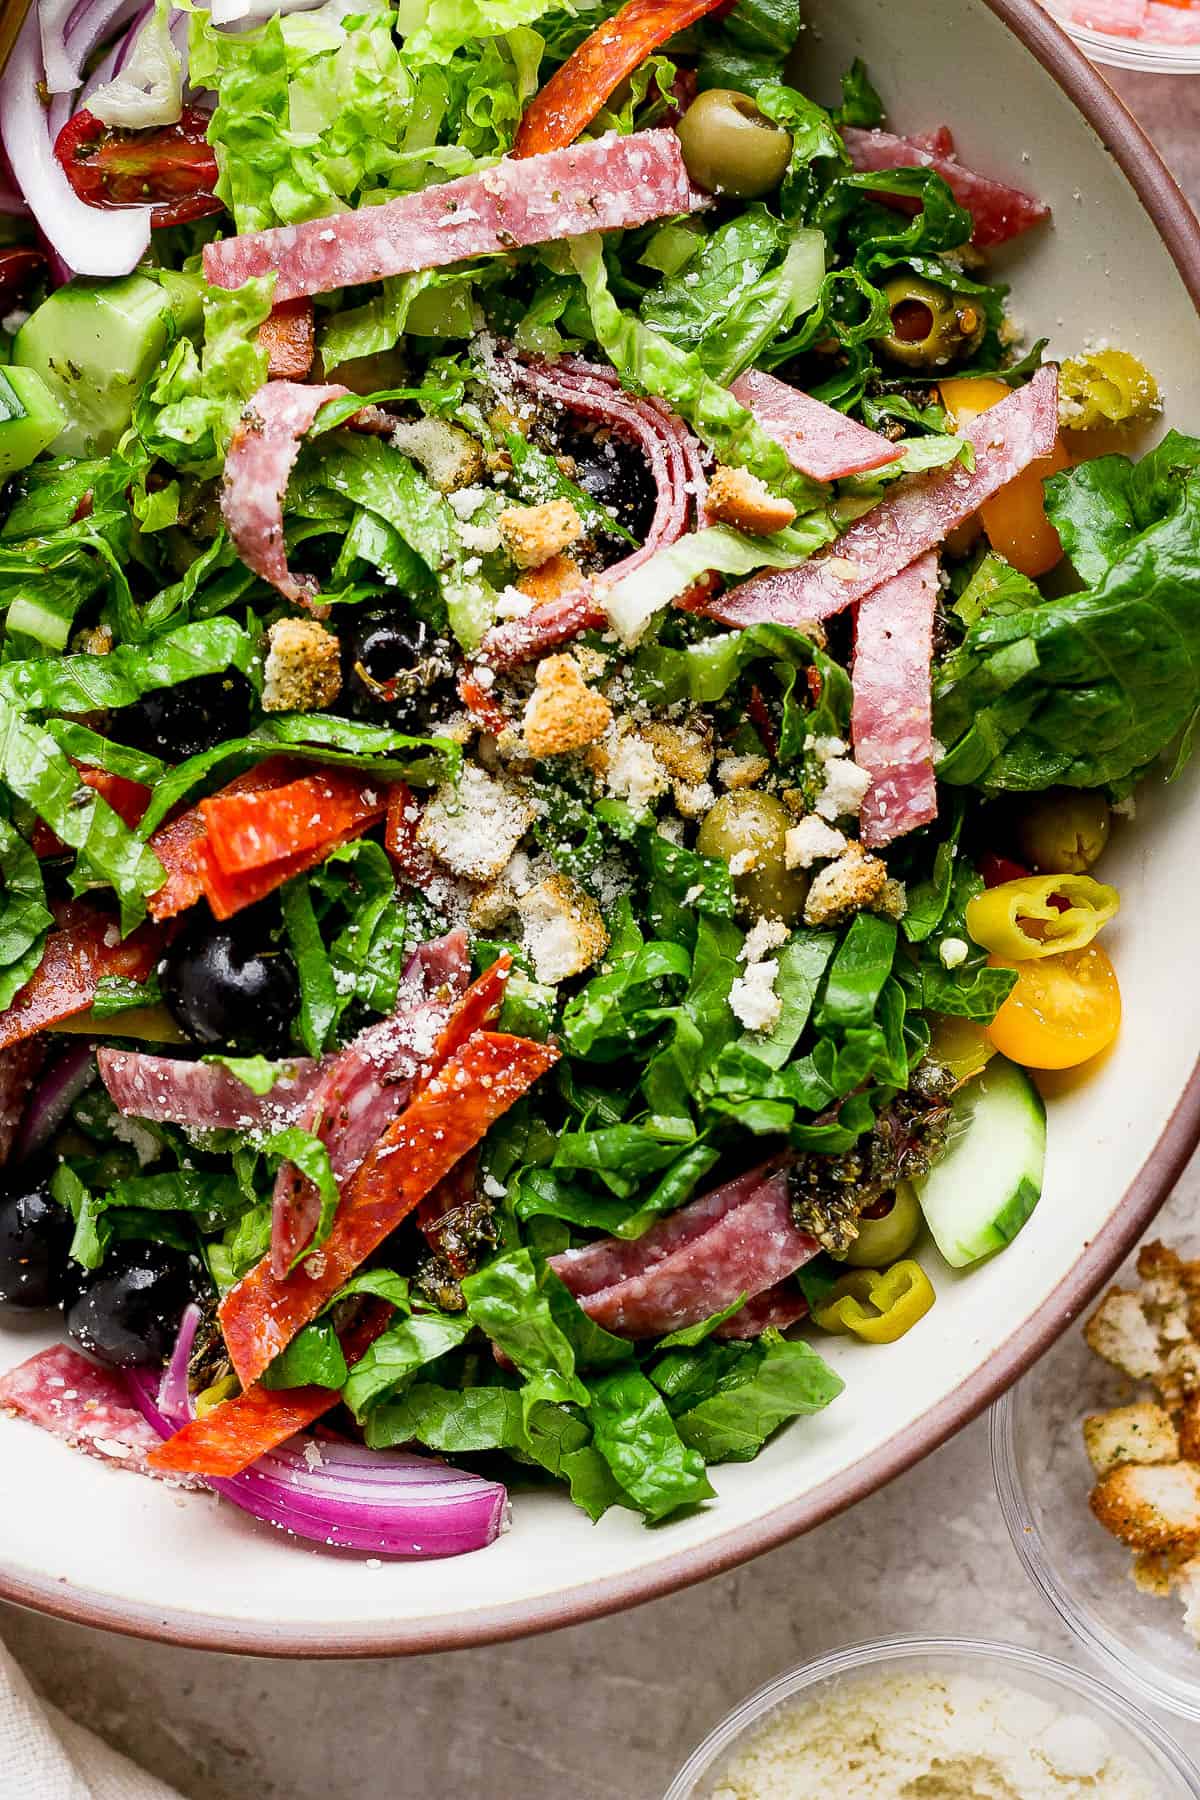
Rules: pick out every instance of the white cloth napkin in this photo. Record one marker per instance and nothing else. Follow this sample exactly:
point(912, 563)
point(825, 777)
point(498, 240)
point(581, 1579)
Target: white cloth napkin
point(46, 1756)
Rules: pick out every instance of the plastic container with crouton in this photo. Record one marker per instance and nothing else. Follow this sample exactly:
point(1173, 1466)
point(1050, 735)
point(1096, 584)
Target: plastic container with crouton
point(1045, 1477)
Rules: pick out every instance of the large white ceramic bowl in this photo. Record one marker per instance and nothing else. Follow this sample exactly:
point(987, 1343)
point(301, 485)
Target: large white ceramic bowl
point(1123, 259)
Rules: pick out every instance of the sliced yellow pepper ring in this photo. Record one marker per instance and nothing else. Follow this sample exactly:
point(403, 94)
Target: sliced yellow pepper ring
point(878, 1306)
point(1019, 921)
point(215, 1395)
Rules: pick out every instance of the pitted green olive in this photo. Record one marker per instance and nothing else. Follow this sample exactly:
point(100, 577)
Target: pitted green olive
point(932, 328)
point(1064, 830)
point(730, 147)
point(747, 831)
point(884, 1236)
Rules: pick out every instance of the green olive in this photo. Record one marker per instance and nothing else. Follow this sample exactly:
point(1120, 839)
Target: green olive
point(732, 148)
point(885, 1238)
point(753, 826)
point(931, 326)
point(1064, 830)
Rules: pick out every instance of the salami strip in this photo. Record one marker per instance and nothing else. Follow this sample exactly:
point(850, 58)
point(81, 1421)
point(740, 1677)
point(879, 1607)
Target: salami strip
point(999, 212)
point(675, 462)
point(248, 831)
point(86, 947)
point(610, 1261)
point(86, 1406)
point(607, 185)
point(361, 1090)
point(262, 455)
point(750, 1247)
point(236, 1433)
point(262, 1314)
point(774, 1309)
point(891, 722)
point(915, 517)
point(816, 439)
point(574, 95)
point(179, 843)
point(203, 1095)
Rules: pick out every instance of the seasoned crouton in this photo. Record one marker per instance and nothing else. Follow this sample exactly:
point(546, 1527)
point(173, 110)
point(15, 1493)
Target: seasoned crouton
point(1150, 1506)
point(1188, 1421)
point(1174, 1285)
point(736, 497)
point(735, 772)
point(892, 902)
point(303, 668)
point(564, 929)
point(474, 827)
point(93, 640)
point(1119, 1331)
point(843, 887)
point(563, 713)
point(288, 336)
point(1142, 1433)
point(811, 841)
point(450, 456)
point(628, 766)
point(685, 750)
point(533, 534)
point(555, 578)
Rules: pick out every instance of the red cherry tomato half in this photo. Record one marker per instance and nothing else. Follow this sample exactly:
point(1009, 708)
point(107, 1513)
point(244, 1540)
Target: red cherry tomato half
point(173, 167)
point(20, 265)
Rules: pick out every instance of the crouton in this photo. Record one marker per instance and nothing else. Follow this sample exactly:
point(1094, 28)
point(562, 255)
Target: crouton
point(1142, 1433)
point(557, 577)
point(736, 772)
point(93, 640)
point(892, 902)
point(685, 751)
point(1150, 1506)
point(288, 336)
point(564, 929)
point(811, 841)
point(854, 881)
point(1174, 1285)
point(450, 456)
point(472, 828)
point(492, 904)
point(736, 497)
point(563, 713)
point(1188, 1422)
point(629, 767)
point(303, 671)
point(1119, 1332)
point(533, 534)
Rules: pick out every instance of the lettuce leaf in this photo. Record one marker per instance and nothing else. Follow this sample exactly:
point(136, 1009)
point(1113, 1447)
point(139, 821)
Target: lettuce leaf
point(187, 415)
point(633, 601)
point(84, 684)
point(639, 1441)
point(769, 1382)
point(1088, 689)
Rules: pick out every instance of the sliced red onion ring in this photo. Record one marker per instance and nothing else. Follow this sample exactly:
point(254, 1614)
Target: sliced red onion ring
point(674, 457)
point(386, 1502)
point(53, 1097)
point(173, 1399)
point(86, 239)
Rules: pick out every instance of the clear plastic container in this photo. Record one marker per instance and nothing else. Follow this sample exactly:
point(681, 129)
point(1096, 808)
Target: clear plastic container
point(1152, 58)
point(1044, 1477)
point(1133, 1735)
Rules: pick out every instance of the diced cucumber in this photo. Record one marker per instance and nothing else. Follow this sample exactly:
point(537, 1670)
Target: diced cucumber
point(979, 1195)
point(95, 344)
point(30, 419)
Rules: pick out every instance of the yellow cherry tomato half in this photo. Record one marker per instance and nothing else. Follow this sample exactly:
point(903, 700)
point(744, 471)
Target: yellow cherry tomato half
point(1063, 1010)
point(1015, 518)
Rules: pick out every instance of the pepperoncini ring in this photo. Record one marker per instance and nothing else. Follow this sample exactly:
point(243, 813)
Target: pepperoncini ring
point(876, 1305)
point(1019, 921)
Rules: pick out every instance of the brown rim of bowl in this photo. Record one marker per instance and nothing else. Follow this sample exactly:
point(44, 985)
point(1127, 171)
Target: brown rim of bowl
point(1179, 229)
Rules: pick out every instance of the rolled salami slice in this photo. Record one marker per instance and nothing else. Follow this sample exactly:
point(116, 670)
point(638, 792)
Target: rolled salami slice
point(606, 185)
point(816, 439)
point(203, 1095)
point(1000, 212)
point(774, 1309)
point(916, 516)
point(262, 455)
point(891, 721)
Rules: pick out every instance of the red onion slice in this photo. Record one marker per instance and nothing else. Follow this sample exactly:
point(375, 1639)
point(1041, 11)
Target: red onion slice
point(85, 238)
point(384, 1502)
point(53, 1097)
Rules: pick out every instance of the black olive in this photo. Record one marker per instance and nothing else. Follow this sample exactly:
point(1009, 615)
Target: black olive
point(616, 475)
point(35, 1236)
point(178, 722)
point(127, 1311)
point(228, 984)
point(396, 666)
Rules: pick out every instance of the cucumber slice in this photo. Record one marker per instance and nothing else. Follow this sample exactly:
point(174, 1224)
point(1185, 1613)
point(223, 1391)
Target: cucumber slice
point(30, 419)
point(979, 1195)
